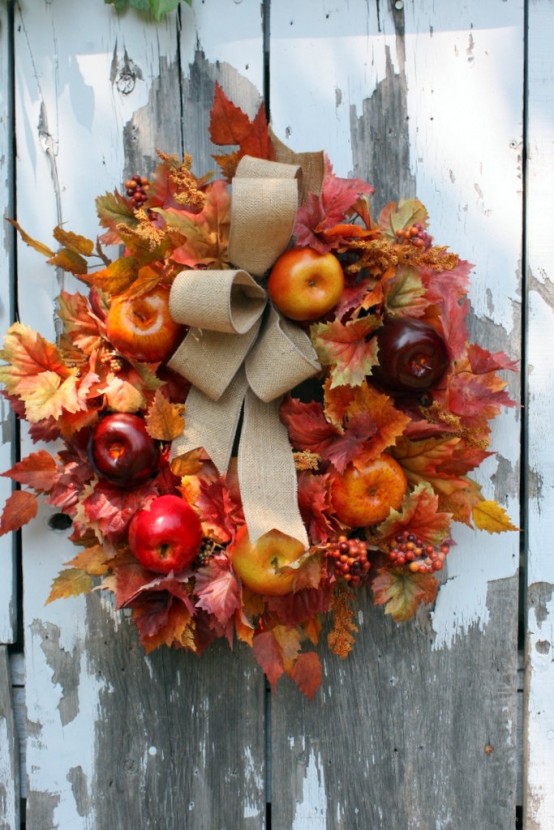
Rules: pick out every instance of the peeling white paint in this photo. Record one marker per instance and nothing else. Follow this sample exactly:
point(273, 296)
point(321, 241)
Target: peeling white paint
point(311, 807)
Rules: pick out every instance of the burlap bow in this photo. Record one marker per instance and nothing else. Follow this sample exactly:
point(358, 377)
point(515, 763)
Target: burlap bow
point(240, 355)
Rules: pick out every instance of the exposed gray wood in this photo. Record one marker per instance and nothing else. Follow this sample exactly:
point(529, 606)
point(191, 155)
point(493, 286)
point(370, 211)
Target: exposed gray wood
point(403, 736)
point(9, 756)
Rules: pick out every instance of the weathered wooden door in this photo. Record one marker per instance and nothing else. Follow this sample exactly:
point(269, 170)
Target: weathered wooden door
point(419, 728)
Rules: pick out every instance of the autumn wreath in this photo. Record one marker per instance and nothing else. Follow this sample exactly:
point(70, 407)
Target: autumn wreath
point(266, 402)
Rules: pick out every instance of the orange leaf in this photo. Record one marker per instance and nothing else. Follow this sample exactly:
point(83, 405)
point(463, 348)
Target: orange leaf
point(19, 509)
point(73, 241)
point(401, 592)
point(490, 516)
point(341, 637)
point(33, 243)
point(37, 470)
point(27, 355)
point(269, 656)
point(117, 277)
point(164, 420)
point(69, 260)
point(94, 561)
point(189, 464)
point(307, 673)
point(228, 123)
point(289, 643)
point(177, 631)
point(69, 583)
point(419, 515)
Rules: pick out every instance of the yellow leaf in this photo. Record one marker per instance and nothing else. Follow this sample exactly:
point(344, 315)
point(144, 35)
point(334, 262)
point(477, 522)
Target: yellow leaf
point(490, 516)
point(33, 243)
point(93, 561)
point(69, 583)
point(46, 395)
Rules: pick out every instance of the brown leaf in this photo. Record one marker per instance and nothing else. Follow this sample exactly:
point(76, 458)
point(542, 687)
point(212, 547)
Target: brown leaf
point(19, 509)
point(307, 673)
point(164, 420)
point(341, 637)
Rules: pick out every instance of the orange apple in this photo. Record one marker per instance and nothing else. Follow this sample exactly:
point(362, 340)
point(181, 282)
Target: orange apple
point(305, 285)
point(142, 327)
point(259, 565)
point(364, 496)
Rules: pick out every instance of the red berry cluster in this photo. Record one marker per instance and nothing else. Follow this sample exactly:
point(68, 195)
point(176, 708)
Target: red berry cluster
point(416, 235)
point(419, 557)
point(135, 188)
point(349, 557)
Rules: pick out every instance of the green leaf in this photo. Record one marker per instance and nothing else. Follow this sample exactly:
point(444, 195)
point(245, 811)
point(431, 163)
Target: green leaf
point(161, 7)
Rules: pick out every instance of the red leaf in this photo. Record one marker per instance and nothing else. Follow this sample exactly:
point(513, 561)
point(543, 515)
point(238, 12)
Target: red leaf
point(294, 609)
point(314, 501)
point(347, 349)
point(353, 442)
point(307, 673)
point(448, 289)
point(37, 470)
point(228, 123)
point(217, 589)
point(220, 512)
point(307, 426)
point(111, 508)
point(19, 509)
point(269, 656)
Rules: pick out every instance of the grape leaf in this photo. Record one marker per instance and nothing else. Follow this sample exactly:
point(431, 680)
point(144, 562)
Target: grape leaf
point(164, 420)
point(37, 470)
point(69, 583)
point(217, 589)
point(175, 628)
point(111, 508)
point(402, 592)
point(20, 508)
point(490, 516)
point(346, 348)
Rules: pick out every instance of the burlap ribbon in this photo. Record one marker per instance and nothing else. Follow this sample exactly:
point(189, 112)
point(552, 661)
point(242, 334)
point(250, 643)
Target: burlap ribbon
point(240, 355)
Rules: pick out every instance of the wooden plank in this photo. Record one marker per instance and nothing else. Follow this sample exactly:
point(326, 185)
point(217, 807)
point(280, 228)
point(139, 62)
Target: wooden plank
point(9, 756)
point(539, 715)
point(8, 591)
point(117, 739)
point(418, 728)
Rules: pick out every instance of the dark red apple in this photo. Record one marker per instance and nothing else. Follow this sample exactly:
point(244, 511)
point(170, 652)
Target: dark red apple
point(121, 451)
point(412, 356)
point(167, 536)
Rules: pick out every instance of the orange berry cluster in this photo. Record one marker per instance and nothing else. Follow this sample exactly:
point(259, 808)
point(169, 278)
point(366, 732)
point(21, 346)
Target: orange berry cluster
point(418, 556)
point(135, 189)
point(416, 235)
point(349, 557)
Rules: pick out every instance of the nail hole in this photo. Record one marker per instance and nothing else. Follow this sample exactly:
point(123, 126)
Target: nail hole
point(59, 521)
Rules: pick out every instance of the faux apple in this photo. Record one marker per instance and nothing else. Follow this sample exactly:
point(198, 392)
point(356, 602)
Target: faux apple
point(412, 356)
point(167, 536)
point(258, 565)
point(142, 327)
point(364, 495)
point(305, 285)
point(121, 451)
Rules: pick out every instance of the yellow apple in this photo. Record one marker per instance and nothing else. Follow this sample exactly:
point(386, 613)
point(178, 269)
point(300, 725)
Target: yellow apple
point(259, 565)
point(305, 285)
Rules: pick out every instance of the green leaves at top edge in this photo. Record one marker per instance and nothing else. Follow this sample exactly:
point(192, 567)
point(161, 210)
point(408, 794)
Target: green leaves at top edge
point(156, 7)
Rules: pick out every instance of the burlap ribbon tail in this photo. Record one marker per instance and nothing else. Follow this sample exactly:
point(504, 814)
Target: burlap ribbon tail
point(241, 355)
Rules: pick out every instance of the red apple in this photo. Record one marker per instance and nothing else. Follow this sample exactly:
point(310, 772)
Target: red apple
point(258, 565)
point(412, 356)
point(305, 285)
point(121, 451)
point(364, 496)
point(142, 327)
point(167, 536)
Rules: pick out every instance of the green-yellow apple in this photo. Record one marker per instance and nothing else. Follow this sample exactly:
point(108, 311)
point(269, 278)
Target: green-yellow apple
point(305, 285)
point(259, 565)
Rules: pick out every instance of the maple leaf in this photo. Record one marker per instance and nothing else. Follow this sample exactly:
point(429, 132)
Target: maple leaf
point(113, 209)
point(402, 592)
point(37, 470)
point(176, 630)
point(69, 583)
point(288, 640)
point(347, 348)
point(307, 426)
point(80, 325)
point(110, 508)
point(325, 211)
point(217, 589)
point(28, 354)
point(164, 420)
point(220, 512)
point(20, 507)
point(490, 516)
point(460, 503)
point(205, 235)
point(73, 473)
point(353, 443)
point(229, 125)
point(307, 673)
point(269, 656)
point(46, 395)
point(404, 293)
point(447, 290)
point(122, 395)
point(419, 514)
point(314, 502)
